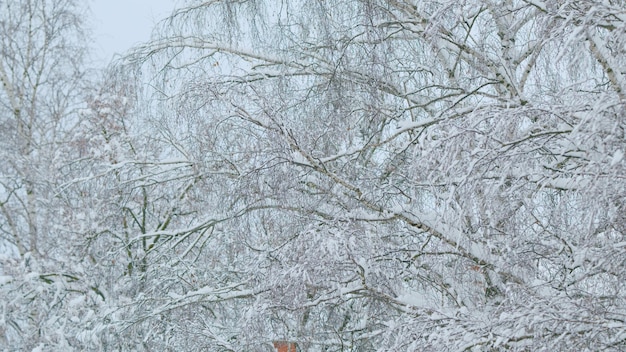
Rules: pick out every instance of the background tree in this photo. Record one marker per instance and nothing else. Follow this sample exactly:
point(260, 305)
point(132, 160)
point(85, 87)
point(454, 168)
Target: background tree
point(40, 86)
point(42, 80)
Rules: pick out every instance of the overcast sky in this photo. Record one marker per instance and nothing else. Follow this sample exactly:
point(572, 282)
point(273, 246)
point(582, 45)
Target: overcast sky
point(119, 24)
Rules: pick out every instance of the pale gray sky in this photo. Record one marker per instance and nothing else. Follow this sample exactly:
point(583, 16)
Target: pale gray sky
point(119, 24)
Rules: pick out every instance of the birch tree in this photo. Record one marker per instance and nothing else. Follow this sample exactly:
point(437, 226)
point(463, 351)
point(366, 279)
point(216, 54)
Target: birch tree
point(416, 175)
point(383, 175)
point(41, 82)
point(347, 175)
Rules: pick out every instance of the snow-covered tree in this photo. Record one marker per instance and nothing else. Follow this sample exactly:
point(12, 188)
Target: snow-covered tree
point(350, 175)
point(41, 81)
point(383, 175)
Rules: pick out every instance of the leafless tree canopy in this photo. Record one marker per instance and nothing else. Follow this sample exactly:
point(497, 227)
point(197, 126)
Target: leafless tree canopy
point(350, 175)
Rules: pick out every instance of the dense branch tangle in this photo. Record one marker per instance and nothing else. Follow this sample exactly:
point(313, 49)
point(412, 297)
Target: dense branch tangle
point(453, 160)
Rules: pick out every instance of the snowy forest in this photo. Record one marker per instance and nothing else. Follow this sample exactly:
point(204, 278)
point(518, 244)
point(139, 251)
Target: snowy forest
point(345, 175)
